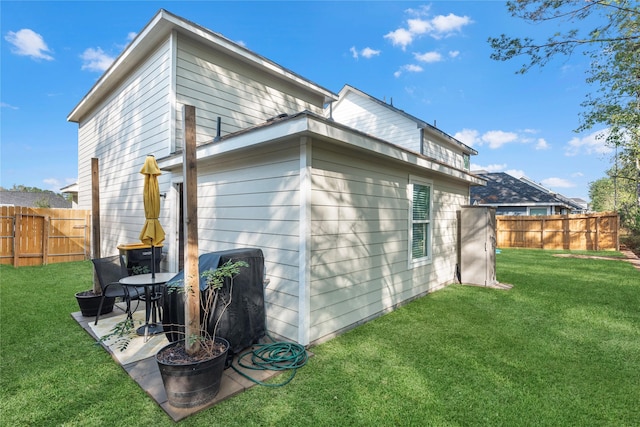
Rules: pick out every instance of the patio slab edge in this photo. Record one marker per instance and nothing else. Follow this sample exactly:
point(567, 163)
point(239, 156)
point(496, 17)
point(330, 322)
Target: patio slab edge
point(146, 374)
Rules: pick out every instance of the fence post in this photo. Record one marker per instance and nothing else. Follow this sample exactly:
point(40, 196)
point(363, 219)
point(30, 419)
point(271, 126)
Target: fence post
point(16, 238)
point(45, 239)
point(597, 242)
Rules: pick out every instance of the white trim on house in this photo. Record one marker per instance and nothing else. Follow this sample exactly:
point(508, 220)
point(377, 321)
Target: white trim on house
point(304, 255)
point(428, 259)
point(173, 94)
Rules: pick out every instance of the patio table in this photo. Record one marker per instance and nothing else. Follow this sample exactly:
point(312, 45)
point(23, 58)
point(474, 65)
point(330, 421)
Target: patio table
point(152, 326)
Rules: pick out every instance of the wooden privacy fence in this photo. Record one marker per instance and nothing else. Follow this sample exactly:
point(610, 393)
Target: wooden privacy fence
point(591, 232)
point(36, 236)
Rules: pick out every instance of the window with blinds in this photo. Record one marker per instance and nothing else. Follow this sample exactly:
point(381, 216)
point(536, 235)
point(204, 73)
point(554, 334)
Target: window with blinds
point(421, 221)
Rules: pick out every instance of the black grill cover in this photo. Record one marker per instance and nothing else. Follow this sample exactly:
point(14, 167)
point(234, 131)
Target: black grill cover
point(243, 323)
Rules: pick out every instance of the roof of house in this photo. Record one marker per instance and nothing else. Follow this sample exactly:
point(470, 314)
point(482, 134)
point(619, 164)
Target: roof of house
point(505, 190)
point(33, 200)
point(308, 123)
point(158, 29)
point(71, 188)
point(420, 123)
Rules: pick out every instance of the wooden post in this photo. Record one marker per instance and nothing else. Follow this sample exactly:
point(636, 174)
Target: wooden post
point(191, 272)
point(616, 222)
point(17, 235)
point(95, 218)
point(597, 240)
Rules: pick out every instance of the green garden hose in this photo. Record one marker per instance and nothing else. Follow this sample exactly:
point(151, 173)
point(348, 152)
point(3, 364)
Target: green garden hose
point(276, 356)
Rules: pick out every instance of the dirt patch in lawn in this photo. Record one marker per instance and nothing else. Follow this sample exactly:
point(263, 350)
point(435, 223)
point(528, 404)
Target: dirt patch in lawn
point(628, 257)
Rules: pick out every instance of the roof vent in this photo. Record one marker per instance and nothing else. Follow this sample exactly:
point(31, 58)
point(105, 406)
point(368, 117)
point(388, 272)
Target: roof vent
point(278, 117)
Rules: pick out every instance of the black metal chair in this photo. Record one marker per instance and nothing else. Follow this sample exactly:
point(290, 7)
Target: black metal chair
point(109, 271)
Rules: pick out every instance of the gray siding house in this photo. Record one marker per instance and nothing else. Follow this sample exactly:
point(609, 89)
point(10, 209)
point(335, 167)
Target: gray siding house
point(513, 196)
point(351, 223)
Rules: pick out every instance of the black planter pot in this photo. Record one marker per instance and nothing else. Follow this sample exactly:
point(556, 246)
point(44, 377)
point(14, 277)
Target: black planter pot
point(89, 303)
point(192, 384)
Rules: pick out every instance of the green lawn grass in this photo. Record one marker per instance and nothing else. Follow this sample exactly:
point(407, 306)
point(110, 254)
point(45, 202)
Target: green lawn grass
point(561, 348)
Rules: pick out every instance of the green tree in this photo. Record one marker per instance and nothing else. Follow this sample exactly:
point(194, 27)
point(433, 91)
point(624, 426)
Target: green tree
point(610, 35)
point(602, 195)
point(42, 202)
point(619, 192)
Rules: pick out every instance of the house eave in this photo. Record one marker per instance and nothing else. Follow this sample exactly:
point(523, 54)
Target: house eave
point(308, 124)
point(160, 28)
point(523, 204)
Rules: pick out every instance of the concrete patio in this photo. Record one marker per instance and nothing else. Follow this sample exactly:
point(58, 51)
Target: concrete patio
point(138, 360)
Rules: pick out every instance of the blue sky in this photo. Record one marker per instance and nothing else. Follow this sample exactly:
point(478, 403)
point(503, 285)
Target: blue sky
point(430, 58)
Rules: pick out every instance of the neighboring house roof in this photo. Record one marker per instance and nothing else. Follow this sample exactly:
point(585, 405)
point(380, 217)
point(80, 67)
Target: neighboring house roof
point(419, 123)
point(33, 200)
point(158, 29)
point(503, 189)
point(71, 188)
point(580, 202)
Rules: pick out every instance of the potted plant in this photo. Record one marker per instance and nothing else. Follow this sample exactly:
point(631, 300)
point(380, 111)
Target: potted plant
point(89, 300)
point(192, 368)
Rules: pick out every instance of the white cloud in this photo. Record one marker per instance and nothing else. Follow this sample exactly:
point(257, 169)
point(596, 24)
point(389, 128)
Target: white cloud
point(419, 26)
point(557, 183)
point(542, 144)
point(5, 105)
point(428, 57)
point(53, 184)
point(488, 168)
point(516, 173)
point(454, 53)
point(413, 68)
point(593, 143)
point(497, 138)
point(438, 27)
point(400, 37)
point(423, 10)
point(467, 136)
point(26, 42)
point(132, 35)
point(367, 52)
point(445, 26)
point(409, 68)
point(96, 60)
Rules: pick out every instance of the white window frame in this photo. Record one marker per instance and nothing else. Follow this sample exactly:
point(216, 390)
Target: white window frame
point(466, 161)
point(546, 209)
point(427, 259)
